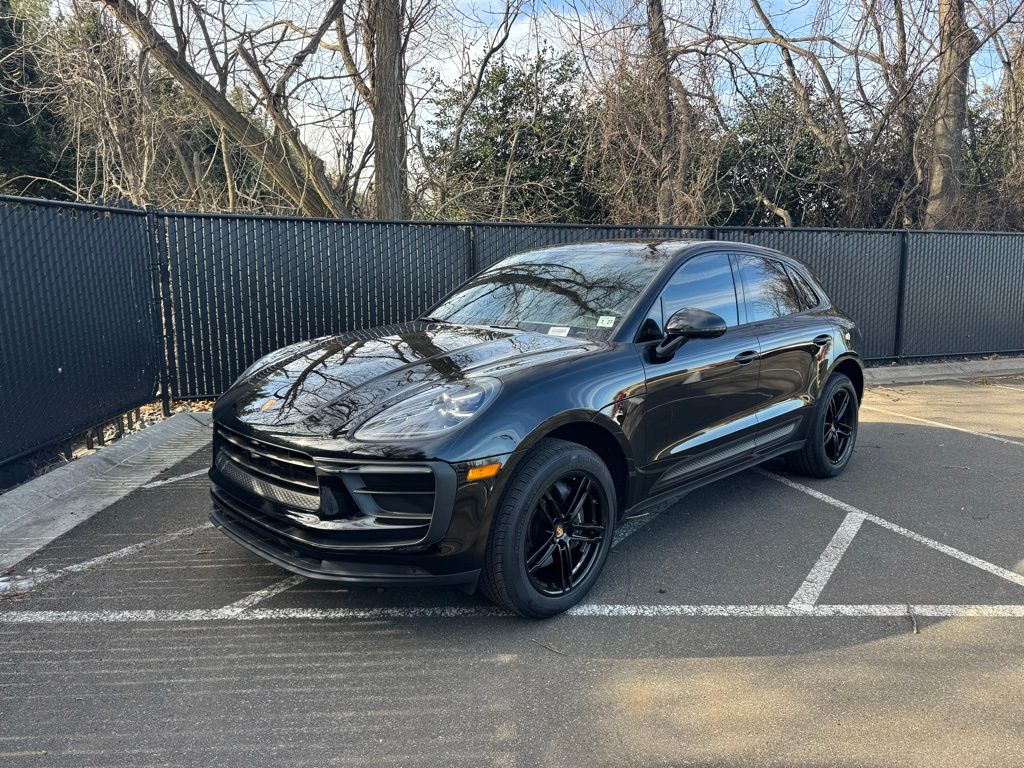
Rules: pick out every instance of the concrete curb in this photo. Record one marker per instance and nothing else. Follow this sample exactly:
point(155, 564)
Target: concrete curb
point(918, 374)
point(34, 514)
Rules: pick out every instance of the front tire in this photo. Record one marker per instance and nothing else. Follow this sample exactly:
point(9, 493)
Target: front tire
point(551, 532)
point(832, 434)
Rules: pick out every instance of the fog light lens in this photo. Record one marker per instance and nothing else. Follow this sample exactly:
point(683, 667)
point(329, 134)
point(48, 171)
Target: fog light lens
point(480, 473)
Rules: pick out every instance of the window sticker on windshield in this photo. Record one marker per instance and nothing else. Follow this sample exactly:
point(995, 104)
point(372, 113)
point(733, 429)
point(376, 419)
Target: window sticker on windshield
point(606, 321)
point(558, 330)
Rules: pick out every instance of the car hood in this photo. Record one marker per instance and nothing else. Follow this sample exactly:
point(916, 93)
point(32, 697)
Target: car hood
point(322, 387)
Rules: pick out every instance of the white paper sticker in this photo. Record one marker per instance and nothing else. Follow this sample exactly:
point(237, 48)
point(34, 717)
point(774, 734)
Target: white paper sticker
point(606, 321)
point(558, 330)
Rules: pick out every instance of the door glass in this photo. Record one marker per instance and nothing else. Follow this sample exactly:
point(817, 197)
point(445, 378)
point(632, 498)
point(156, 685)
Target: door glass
point(807, 294)
point(704, 282)
point(768, 290)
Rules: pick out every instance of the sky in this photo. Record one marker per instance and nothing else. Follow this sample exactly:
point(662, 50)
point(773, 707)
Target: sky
point(458, 30)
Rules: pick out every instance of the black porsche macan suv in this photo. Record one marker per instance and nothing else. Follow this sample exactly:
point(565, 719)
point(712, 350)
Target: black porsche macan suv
point(500, 440)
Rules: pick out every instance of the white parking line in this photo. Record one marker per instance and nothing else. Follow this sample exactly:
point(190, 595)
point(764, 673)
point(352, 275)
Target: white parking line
point(186, 476)
point(591, 610)
point(791, 611)
point(945, 549)
point(1001, 439)
point(259, 596)
point(810, 590)
point(30, 582)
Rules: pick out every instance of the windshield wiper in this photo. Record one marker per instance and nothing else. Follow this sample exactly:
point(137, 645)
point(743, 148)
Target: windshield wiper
point(431, 319)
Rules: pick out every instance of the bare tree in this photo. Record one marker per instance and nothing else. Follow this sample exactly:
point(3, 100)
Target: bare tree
point(387, 100)
point(297, 172)
point(957, 44)
point(849, 113)
point(479, 41)
point(661, 87)
point(299, 93)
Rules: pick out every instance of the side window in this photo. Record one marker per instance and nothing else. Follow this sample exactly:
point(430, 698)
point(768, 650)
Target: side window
point(704, 282)
point(807, 295)
point(768, 291)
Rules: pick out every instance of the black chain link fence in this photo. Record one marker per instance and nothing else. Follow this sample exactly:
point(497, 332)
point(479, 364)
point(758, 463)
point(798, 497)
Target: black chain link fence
point(79, 342)
point(102, 307)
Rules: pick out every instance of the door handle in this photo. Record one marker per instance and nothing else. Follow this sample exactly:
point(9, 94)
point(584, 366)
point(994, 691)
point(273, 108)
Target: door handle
point(822, 340)
point(746, 357)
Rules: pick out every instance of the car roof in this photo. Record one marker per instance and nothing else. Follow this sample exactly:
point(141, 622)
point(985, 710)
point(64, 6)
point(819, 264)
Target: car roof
point(669, 250)
point(625, 246)
point(666, 253)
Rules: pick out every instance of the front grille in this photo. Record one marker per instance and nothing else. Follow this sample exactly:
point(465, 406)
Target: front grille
point(358, 501)
point(277, 473)
point(260, 487)
point(331, 502)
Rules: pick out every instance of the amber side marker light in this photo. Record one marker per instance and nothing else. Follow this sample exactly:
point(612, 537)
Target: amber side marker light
point(480, 473)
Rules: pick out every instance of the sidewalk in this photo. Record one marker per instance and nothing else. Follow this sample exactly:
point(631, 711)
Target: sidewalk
point(37, 512)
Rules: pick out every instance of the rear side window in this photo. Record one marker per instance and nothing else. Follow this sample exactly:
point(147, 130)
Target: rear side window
point(704, 282)
point(807, 295)
point(767, 289)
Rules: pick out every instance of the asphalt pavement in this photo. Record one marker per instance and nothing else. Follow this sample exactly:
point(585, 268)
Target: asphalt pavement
point(871, 620)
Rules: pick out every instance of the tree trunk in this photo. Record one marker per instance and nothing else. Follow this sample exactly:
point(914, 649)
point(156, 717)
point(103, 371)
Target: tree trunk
point(957, 44)
point(661, 91)
point(270, 155)
point(1013, 106)
point(387, 83)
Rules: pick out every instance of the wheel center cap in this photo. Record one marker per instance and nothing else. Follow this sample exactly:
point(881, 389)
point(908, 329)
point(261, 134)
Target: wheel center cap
point(559, 531)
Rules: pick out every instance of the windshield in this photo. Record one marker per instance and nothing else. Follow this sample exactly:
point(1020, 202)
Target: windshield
point(571, 291)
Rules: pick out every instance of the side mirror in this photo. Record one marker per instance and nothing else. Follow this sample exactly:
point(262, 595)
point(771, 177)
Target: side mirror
point(688, 323)
point(695, 324)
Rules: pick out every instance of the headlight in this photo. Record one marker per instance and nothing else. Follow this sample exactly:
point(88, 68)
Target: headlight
point(432, 411)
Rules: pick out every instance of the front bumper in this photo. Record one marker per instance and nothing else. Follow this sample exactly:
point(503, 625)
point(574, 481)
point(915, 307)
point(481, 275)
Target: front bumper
point(319, 564)
point(349, 519)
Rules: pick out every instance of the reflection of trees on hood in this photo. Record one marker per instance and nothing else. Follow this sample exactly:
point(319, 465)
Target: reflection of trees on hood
point(398, 349)
point(393, 352)
point(347, 352)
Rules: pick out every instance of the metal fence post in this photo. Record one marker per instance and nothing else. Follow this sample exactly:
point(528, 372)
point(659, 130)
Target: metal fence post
point(161, 301)
point(901, 288)
point(471, 250)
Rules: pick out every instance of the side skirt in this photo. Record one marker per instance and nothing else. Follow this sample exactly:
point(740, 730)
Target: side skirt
point(678, 491)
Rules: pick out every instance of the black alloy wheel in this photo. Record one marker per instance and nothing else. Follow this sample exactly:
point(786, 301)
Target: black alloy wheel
point(564, 534)
point(552, 530)
point(832, 433)
point(837, 435)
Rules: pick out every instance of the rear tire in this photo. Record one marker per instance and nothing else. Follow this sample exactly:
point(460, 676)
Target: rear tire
point(832, 434)
point(551, 532)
